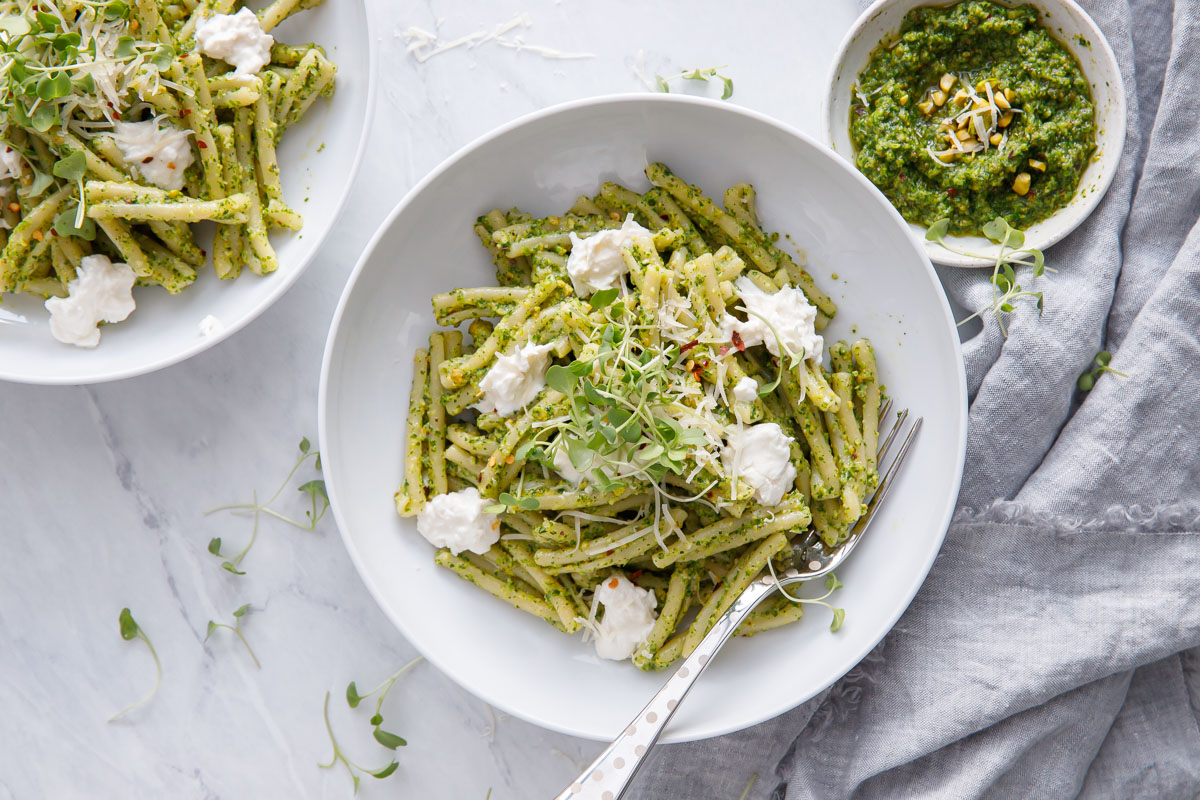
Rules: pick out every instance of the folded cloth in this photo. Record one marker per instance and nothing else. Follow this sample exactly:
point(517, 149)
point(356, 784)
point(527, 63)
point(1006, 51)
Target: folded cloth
point(1053, 650)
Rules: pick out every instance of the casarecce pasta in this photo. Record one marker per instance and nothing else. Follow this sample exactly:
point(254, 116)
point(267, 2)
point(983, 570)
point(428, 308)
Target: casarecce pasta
point(78, 78)
point(641, 404)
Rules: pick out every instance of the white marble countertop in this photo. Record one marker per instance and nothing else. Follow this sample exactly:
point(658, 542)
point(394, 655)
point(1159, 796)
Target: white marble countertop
point(103, 488)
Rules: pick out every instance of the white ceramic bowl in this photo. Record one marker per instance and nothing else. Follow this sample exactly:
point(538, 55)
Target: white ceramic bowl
point(318, 159)
point(541, 163)
point(1069, 23)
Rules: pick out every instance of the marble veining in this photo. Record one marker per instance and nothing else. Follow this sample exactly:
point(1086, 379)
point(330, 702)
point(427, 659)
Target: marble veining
point(103, 488)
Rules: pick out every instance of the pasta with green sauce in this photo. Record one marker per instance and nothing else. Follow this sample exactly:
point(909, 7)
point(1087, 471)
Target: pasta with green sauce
point(122, 122)
point(640, 419)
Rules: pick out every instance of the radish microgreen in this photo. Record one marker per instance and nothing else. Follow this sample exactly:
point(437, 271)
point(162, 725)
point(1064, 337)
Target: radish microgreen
point(236, 627)
point(1011, 255)
point(130, 630)
point(315, 489)
point(1088, 379)
point(705, 75)
point(832, 584)
point(389, 740)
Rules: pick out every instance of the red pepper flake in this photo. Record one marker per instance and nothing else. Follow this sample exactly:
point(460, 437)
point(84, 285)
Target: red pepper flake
point(950, 192)
point(689, 345)
point(147, 159)
point(202, 145)
point(723, 349)
point(738, 343)
point(204, 253)
point(614, 582)
point(116, 115)
point(633, 576)
point(185, 112)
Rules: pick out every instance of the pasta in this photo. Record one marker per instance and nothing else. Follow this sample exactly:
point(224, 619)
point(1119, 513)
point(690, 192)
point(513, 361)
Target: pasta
point(119, 130)
point(677, 429)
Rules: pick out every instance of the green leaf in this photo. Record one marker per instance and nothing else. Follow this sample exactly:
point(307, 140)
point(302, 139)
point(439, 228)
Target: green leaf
point(1040, 302)
point(528, 503)
point(305, 445)
point(1006, 307)
point(214, 545)
point(692, 436)
point(314, 488)
point(727, 91)
point(242, 611)
point(229, 566)
point(212, 628)
point(1086, 382)
point(162, 57)
point(839, 616)
point(594, 397)
point(1016, 237)
point(580, 368)
point(129, 628)
point(996, 229)
point(1039, 262)
point(14, 26)
point(64, 225)
point(377, 719)
point(389, 740)
point(495, 508)
point(43, 118)
point(87, 83)
point(71, 168)
point(1103, 357)
point(388, 770)
point(48, 22)
point(352, 698)
point(580, 454)
point(661, 83)
point(650, 452)
point(507, 499)
point(604, 298)
point(125, 48)
point(832, 582)
point(66, 40)
point(53, 88)
point(560, 378)
point(41, 182)
point(116, 10)
point(937, 231)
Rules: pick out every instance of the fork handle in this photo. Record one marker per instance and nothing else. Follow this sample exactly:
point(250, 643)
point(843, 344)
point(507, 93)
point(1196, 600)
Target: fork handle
point(610, 774)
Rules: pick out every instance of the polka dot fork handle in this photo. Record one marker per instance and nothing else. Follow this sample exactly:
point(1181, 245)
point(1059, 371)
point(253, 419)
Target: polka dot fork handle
point(610, 774)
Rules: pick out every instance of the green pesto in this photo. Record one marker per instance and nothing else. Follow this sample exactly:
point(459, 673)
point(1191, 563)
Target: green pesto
point(979, 40)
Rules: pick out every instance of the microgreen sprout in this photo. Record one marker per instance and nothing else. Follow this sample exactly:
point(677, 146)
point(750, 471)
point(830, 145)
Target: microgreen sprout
point(315, 489)
point(664, 84)
point(389, 740)
point(749, 786)
point(1088, 379)
point(236, 627)
point(1010, 255)
point(831, 585)
point(130, 630)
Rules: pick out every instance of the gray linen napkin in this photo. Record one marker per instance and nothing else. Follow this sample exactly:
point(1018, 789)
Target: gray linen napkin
point(1054, 650)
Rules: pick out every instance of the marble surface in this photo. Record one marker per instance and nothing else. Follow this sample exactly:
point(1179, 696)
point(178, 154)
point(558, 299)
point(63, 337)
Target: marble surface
point(103, 488)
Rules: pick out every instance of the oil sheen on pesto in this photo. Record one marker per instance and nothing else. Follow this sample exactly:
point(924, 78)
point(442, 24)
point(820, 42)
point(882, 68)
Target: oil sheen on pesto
point(975, 40)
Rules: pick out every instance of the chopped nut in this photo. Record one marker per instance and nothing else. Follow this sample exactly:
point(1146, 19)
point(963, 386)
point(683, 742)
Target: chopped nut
point(982, 86)
point(1021, 183)
point(1010, 95)
point(963, 135)
point(926, 107)
point(1040, 166)
point(996, 139)
point(961, 97)
point(939, 98)
point(947, 81)
point(14, 207)
point(1005, 119)
point(947, 157)
point(902, 100)
point(1001, 101)
point(36, 236)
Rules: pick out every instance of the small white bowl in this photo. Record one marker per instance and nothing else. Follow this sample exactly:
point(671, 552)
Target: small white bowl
point(885, 288)
point(318, 159)
point(1069, 23)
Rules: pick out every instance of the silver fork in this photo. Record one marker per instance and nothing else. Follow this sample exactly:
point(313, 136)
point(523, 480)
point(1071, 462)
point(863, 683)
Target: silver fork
point(610, 774)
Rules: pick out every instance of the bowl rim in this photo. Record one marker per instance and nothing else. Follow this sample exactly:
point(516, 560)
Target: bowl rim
point(285, 280)
point(1120, 116)
point(446, 667)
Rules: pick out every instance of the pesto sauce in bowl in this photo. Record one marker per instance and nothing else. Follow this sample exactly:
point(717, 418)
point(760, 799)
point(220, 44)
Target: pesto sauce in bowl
point(976, 41)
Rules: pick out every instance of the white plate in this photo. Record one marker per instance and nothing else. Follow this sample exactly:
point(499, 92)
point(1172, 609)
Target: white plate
point(318, 159)
point(1067, 21)
point(541, 163)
